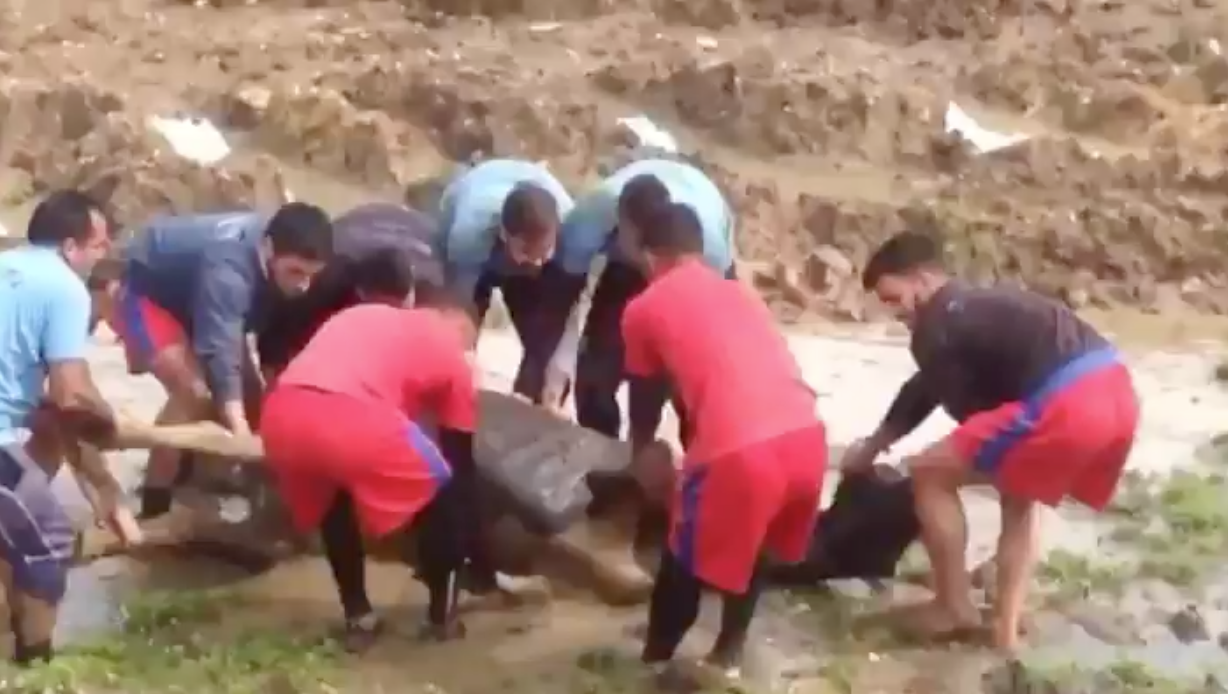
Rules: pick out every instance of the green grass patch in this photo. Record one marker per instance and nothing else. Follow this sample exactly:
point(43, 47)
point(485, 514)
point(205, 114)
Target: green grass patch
point(172, 643)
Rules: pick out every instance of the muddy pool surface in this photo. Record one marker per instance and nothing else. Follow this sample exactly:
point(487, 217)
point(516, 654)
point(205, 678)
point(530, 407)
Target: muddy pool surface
point(1136, 600)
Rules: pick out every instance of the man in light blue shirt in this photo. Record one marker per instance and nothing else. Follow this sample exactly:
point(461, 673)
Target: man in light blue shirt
point(605, 224)
point(44, 328)
point(499, 226)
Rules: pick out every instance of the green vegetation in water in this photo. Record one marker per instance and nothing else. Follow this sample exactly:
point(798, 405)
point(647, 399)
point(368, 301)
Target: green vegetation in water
point(1074, 576)
point(163, 648)
point(1177, 526)
point(1121, 677)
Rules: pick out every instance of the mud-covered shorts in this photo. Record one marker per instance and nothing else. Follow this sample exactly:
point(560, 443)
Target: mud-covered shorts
point(36, 534)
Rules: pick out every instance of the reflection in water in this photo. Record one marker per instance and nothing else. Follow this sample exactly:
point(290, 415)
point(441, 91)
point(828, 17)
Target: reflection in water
point(97, 591)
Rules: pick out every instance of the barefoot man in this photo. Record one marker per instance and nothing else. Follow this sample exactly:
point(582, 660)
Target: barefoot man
point(1046, 410)
point(340, 434)
point(44, 327)
point(751, 479)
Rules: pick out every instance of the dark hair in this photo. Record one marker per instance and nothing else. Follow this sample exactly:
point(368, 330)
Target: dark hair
point(104, 273)
point(441, 299)
point(642, 198)
point(675, 230)
point(63, 215)
point(301, 230)
point(529, 210)
point(385, 272)
point(901, 254)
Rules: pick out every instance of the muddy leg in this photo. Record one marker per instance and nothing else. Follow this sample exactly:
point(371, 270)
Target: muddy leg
point(1018, 549)
point(441, 556)
point(343, 547)
point(737, 611)
point(163, 470)
point(672, 611)
point(944, 532)
point(31, 619)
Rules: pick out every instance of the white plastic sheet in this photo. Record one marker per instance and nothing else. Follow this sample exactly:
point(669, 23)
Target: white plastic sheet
point(192, 138)
point(649, 133)
point(983, 139)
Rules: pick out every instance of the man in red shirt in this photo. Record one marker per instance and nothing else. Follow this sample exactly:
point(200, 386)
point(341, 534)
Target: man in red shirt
point(753, 471)
point(341, 433)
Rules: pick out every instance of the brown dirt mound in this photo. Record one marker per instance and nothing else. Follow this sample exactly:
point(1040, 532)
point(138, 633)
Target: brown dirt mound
point(822, 119)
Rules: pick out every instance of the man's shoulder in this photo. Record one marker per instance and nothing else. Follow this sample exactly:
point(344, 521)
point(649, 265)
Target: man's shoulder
point(40, 269)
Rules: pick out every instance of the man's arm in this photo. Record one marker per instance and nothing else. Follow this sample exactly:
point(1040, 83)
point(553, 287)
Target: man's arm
point(575, 294)
point(223, 298)
point(914, 402)
point(70, 386)
point(647, 391)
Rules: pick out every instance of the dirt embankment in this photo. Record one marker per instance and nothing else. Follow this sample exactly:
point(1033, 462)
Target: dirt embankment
point(823, 119)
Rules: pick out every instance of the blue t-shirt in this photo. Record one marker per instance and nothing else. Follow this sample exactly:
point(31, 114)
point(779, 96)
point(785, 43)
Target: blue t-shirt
point(44, 319)
point(589, 230)
point(469, 216)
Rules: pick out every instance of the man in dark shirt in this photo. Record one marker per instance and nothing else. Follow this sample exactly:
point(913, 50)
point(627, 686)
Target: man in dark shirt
point(394, 241)
point(192, 288)
point(1045, 408)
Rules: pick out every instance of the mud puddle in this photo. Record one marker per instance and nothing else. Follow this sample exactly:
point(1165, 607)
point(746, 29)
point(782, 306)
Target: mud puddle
point(1104, 615)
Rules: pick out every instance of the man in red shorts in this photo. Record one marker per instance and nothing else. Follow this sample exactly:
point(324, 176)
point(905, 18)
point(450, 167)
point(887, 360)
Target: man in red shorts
point(341, 434)
point(753, 471)
point(192, 288)
point(1045, 408)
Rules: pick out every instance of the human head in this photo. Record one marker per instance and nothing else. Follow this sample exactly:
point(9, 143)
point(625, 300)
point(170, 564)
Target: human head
point(298, 242)
point(905, 272)
point(103, 284)
point(529, 225)
point(459, 311)
point(73, 224)
point(672, 235)
point(385, 276)
point(641, 200)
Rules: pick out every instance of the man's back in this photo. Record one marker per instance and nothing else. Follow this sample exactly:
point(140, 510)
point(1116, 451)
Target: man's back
point(374, 352)
point(44, 316)
point(165, 258)
point(735, 373)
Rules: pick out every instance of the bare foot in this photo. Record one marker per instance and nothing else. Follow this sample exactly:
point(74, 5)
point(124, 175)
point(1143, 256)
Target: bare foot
point(1006, 637)
point(937, 622)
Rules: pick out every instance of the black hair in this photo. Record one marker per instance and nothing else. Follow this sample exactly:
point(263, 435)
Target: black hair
point(673, 231)
point(529, 210)
point(63, 215)
point(301, 230)
point(386, 272)
point(104, 273)
point(643, 198)
point(902, 254)
point(441, 299)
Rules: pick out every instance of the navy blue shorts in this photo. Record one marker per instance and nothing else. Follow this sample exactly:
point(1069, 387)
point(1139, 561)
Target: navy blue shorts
point(36, 535)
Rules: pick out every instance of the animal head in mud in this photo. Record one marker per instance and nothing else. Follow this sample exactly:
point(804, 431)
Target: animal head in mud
point(862, 534)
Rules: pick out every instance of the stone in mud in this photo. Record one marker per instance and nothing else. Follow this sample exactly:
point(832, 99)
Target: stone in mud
point(1188, 625)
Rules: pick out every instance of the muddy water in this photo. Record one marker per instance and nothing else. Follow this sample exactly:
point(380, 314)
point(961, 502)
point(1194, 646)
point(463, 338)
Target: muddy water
point(564, 646)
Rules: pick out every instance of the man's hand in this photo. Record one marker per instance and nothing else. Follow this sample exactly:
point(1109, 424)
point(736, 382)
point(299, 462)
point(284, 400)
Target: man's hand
point(860, 456)
point(234, 417)
point(110, 512)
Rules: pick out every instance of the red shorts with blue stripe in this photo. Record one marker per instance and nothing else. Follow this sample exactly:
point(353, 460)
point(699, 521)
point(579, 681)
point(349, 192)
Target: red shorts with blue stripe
point(145, 328)
point(761, 499)
point(319, 444)
point(1071, 438)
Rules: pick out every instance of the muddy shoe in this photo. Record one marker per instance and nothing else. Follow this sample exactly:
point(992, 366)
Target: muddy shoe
point(440, 633)
point(361, 633)
point(694, 676)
